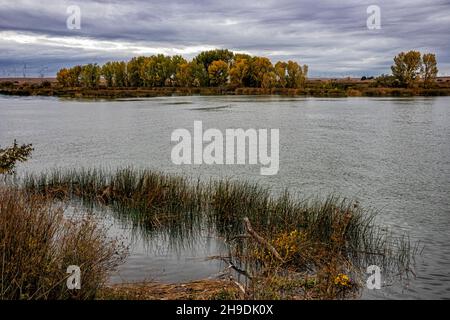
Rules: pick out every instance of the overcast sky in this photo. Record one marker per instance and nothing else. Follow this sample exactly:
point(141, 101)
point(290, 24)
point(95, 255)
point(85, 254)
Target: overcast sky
point(330, 36)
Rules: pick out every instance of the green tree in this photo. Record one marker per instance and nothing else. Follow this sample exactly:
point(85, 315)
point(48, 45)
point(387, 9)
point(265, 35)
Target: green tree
point(386, 81)
point(160, 70)
point(108, 73)
point(206, 58)
point(406, 68)
point(428, 69)
point(175, 64)
point(134, 67)
point(199, 74)
point(120, 76)
point(90, 75)
point(74, 76)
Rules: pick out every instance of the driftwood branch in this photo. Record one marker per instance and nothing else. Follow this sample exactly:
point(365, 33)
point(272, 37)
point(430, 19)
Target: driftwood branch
point(261, 240)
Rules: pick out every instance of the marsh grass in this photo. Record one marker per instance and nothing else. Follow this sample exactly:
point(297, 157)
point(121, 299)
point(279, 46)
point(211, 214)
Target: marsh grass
point(319, 239)
point(38, 243)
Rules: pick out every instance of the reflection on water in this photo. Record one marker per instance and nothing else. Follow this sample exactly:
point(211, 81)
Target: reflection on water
point(392, 154)
point(158, 254)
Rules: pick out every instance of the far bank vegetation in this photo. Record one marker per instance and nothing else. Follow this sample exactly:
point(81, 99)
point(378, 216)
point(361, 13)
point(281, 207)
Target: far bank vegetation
point(223, 72)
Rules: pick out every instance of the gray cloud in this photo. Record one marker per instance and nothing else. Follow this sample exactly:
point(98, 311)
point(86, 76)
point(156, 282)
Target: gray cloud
point(330, 36)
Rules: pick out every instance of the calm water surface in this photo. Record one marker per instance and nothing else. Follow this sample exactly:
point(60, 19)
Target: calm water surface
point(391, 154)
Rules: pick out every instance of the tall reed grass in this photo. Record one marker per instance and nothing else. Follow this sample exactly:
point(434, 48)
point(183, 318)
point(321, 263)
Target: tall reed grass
point(38, 243)
point(324, 237)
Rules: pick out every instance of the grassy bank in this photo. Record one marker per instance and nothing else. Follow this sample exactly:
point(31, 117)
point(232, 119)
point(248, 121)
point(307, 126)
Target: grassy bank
point(314, 88)
point(290, 248)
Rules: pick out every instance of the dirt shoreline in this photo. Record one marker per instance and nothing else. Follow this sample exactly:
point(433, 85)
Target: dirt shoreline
point(195, 290)
point(115, 93)
point(314, 88)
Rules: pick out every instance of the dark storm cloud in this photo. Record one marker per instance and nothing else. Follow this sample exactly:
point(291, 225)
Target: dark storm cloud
point(330, 36)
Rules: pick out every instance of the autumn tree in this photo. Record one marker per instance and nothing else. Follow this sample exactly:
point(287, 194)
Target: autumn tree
point(218, 73)
point(69, 77)
point(62, 76)
point(108, 73)
point(240, 71)
point(199, 74)
point(174, 65)
point(120, 75)
point(428, 69)
point(74, 76)
point(209, 68)
point(206, 58)
point(406, 68)
point(134, 67)
point(259, 67)
point(152, 71)
point(269, 80)
point(296, 75)
point(281, 74)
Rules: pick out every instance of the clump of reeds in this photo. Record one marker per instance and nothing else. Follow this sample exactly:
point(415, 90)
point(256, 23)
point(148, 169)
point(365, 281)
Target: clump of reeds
point(324, 239)
point(38, 243)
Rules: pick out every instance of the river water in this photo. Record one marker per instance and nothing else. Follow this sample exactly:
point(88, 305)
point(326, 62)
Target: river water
point(391, 154)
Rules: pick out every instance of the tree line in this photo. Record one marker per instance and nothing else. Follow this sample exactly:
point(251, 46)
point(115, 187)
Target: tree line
point(213, 68)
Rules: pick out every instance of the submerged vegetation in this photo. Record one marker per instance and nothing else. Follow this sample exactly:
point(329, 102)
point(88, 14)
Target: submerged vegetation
point(284, 247)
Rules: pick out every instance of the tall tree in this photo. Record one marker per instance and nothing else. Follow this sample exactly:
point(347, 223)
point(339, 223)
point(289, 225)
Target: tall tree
point(259, 67)
point(206, 58)
point(240, 71)
point(108, 73)
point(281, 74)
point(90, 75)
point(75, 76)
point(134, 67)
point(199, 74)
point(120, 73)
point(406, 68)
point(295, 75)
point(175, 63)
point(62, 76)
point(218, 73)
point(428, 69)
point(184, 76)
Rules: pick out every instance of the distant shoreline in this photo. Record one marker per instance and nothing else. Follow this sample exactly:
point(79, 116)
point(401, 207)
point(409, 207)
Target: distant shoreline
point(314, 88)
